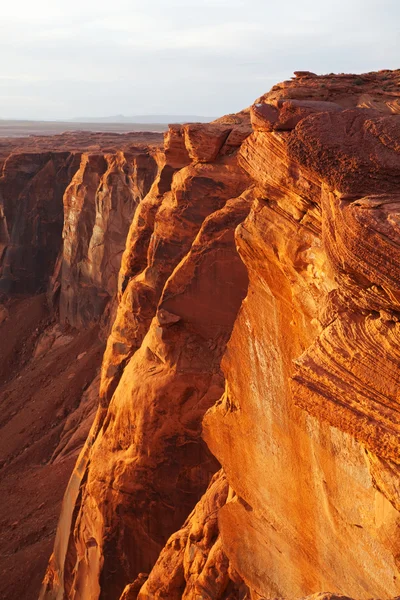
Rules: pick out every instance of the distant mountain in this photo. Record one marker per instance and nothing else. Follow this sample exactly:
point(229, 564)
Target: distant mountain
point(145, 119)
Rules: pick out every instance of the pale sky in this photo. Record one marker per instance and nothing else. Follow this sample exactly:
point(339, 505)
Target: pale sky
point(72, 58)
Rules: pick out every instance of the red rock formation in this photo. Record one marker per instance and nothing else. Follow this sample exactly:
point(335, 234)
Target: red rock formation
point(49, 371)
point(31, 213)
point(146, 445)
point(310, 334)
point(160, 236)
point(300, 217)
point(35, 173)
point(45, 378)
point(99, 204)
point(311, 364)
point(193, 558)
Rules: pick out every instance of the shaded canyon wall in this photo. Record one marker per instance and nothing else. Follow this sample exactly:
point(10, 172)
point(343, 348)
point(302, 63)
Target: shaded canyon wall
point(64, 219)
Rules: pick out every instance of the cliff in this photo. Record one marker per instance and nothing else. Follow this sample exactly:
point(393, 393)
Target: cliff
point(66, 203)
point(161, 370)
point(245, 444)
point(275, 229)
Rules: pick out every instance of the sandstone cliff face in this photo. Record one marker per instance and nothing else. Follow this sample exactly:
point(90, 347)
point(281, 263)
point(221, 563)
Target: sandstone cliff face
point(286, 242)
point(31, 218)
point(49, 367)
point(99, 204)
point(52, 184)
point(145, 464)
point(305, 337)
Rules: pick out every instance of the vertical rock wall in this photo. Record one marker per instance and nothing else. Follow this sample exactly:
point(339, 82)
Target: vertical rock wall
point(286, 242)
point(145, 465)
point(52, 346)
point(31, 218)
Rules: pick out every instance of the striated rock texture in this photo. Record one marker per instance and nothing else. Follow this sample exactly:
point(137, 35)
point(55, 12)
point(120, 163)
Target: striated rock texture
point(145, 464)
point(303, 366)
point(99, 204)
point(34, 175)
point(282, 238)
point(31, 218)
point(49, 368)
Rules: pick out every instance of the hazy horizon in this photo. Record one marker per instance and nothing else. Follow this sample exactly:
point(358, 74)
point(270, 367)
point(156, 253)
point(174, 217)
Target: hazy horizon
point(63, 61)
point(123, 119)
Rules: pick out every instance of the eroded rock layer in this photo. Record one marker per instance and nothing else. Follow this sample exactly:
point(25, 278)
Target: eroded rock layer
point(99, 204)
point(52, 344)
point(311, 334)
point(281, 237)
point(146, 463)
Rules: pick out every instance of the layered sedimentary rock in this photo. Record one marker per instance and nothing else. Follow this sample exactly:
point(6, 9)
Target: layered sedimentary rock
point(33, 180)
point(31, 213)
point(99, 204)
point(310, 334)
point(146, 462)
point(285, 241)
point(49, 368)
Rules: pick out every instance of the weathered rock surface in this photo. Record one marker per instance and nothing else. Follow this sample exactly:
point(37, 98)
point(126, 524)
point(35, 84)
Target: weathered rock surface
point(272, 251)
point(49, 371)
point(312, 333)
point(161, 234)
point(193, 563)
point(99, 204)
point(204, 143)
point(146, 465)
point(35, 174)
point(31, 218)
point(307, 429)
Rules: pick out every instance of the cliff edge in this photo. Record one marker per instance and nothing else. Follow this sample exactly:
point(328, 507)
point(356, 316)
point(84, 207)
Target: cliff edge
point(257, 325)
point(245, 442)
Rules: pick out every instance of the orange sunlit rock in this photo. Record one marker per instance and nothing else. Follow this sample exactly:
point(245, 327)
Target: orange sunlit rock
point(246, 280)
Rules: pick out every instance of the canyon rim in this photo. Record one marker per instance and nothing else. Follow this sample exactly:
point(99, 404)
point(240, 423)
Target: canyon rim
point(200, 386)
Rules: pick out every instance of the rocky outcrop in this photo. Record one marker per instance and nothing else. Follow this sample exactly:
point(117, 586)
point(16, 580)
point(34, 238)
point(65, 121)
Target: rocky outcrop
point(283, 242)
point(146, 446)
point(49, 367)
point(160, 236)
point(99, 204)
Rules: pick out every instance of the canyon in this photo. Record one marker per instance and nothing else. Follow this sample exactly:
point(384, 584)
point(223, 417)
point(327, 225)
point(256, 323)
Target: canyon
point(79, 189)
point(200, 354)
